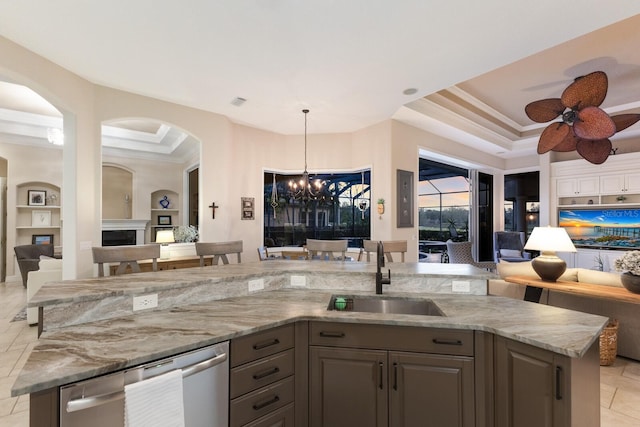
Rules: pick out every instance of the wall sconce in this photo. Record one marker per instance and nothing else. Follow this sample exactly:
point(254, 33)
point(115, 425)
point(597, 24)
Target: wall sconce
point(380, 206)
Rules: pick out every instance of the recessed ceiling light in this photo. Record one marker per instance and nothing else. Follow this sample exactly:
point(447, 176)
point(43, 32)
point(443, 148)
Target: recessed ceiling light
point(410, 91)
point(238, 101)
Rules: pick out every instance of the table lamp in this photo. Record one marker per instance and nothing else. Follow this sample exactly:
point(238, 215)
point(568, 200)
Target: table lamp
point(549, 240)
point(164, 237)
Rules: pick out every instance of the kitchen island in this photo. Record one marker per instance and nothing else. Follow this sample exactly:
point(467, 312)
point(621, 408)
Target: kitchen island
point(91, 330)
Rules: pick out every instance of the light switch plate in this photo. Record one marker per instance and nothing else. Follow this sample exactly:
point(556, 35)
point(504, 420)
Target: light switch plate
point(298, 281)
point(256, 285)
point(462, 286)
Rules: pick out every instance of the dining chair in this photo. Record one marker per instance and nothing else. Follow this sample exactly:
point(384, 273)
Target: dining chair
point(390, 246)
point(327, 249)
point(219, 251)
point(127, 255)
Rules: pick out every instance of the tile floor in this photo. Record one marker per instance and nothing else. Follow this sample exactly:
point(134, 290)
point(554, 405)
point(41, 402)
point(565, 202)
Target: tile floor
point(619, 383)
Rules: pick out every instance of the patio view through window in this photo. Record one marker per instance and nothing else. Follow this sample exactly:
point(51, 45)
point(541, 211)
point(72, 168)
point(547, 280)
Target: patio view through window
point(341, 211)
point(443, 206)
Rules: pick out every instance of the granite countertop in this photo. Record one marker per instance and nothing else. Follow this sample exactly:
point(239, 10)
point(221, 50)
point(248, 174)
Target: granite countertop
point(100, 287)
point(73, 353)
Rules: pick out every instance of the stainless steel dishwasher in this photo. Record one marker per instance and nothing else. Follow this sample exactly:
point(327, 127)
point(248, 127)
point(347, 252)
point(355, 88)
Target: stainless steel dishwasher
point(99, 402)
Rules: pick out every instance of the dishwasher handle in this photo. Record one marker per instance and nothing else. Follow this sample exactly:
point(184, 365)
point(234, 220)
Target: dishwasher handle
point(93, 401)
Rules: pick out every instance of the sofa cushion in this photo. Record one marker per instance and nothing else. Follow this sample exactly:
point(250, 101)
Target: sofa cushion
point(596, 277)
point(510, 253)
point(506, 269)
point(50, 264)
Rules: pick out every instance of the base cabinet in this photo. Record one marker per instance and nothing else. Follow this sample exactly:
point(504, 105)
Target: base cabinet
point(538, 388)
point(261, 386)
point(430, 390)
point(385, 387)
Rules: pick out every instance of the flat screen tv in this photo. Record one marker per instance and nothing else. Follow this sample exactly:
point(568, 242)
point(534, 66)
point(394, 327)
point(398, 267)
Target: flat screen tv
point(613, 228)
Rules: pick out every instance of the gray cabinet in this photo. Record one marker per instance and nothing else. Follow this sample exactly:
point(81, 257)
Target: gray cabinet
point(261, 386)
point(362, 375)
point(539, 388)
point(430, 390)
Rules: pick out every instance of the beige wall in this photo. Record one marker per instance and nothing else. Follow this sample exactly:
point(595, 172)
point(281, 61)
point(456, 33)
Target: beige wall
point(232, 158)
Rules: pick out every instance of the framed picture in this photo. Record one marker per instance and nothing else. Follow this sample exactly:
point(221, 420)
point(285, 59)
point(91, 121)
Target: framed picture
point(164, 219)
point(41, 218)
point(42, 239)
point(37, 197)
point(404, 212)
point(247, 208)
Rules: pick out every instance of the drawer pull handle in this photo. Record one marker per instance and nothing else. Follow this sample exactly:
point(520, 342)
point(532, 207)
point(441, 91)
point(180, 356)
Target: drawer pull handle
point(330, 334)
point(265, 344)
point(395, 376)
point(447, 342)
point(558, 383)
point(264, 404)
point(266, 373)
point(381, 366)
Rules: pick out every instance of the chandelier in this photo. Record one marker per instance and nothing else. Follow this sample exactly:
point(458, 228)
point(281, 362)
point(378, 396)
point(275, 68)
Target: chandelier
point(303, 189)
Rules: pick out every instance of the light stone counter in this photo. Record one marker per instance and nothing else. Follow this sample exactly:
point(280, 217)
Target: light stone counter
point(75, 302)
point(72, 353)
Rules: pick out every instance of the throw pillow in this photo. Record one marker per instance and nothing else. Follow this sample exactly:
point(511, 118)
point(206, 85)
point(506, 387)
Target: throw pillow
point(510, 253)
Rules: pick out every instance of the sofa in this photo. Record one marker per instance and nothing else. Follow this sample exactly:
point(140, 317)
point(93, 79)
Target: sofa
point(50, 271)
point(627, 314)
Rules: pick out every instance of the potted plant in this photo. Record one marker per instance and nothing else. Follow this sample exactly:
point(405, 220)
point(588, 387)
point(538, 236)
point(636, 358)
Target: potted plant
point(185, 233)
point(380, 206)
point(629, 264)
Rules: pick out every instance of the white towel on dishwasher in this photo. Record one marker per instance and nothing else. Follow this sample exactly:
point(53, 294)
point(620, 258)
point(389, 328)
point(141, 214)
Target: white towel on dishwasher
point(156, 402)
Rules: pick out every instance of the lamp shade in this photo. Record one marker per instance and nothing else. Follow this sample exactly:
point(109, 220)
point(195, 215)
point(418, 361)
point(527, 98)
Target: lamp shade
point(550, 239)
point(165, 236)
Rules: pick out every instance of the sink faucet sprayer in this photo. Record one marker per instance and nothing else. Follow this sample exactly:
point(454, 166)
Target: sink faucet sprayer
point(380, 263)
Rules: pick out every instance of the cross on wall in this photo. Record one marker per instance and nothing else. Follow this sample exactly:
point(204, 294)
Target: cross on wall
point(213, 206)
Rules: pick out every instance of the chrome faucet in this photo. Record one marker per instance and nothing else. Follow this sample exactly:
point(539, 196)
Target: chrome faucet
point(380, 263)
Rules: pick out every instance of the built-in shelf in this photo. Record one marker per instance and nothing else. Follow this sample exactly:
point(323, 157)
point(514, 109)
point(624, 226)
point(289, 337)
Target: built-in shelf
point(28, 208)
point(163, 218)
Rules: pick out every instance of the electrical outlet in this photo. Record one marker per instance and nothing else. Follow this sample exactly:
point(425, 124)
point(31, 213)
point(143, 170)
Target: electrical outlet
point(256, 285)
point(462, 286)
point(298, 281)
point(144, 302)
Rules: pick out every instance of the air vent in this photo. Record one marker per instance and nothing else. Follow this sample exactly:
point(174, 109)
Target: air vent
point(238, 101)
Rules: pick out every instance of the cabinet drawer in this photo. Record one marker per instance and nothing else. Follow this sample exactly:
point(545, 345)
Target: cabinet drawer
point(267, 370)
point(281, 418)
point(261, 402)
point(404, 338)
point(261, 344)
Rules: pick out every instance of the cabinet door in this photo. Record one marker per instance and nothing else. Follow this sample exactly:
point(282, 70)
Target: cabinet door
point(632, 183)
point(429, 390)
point(347, 387)
point(611, 184)
point(588, 186)
point(527, 381)
point(566, 187)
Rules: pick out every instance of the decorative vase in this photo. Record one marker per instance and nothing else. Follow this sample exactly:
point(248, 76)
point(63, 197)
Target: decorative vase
point(631, 282)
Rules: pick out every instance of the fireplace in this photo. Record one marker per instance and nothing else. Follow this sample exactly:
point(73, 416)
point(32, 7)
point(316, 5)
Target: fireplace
point(117, 232)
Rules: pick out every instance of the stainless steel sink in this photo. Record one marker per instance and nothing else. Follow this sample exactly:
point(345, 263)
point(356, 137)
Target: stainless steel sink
point(393, 305)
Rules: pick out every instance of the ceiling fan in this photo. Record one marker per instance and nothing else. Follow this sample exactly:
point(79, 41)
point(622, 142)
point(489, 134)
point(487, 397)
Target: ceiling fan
point(585, 127)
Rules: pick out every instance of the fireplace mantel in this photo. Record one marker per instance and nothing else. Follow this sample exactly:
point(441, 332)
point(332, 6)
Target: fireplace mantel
point(139, 225)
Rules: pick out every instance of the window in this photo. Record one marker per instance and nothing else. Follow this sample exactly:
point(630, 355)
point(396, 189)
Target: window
point(342, 210)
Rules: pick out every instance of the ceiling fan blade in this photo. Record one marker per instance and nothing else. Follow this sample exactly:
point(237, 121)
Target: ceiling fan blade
point(623, 121)
point(586, 91)
point(593, 123)
point(568, 143)
point(595, 152)
point(544, 110)
point(552, 135)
